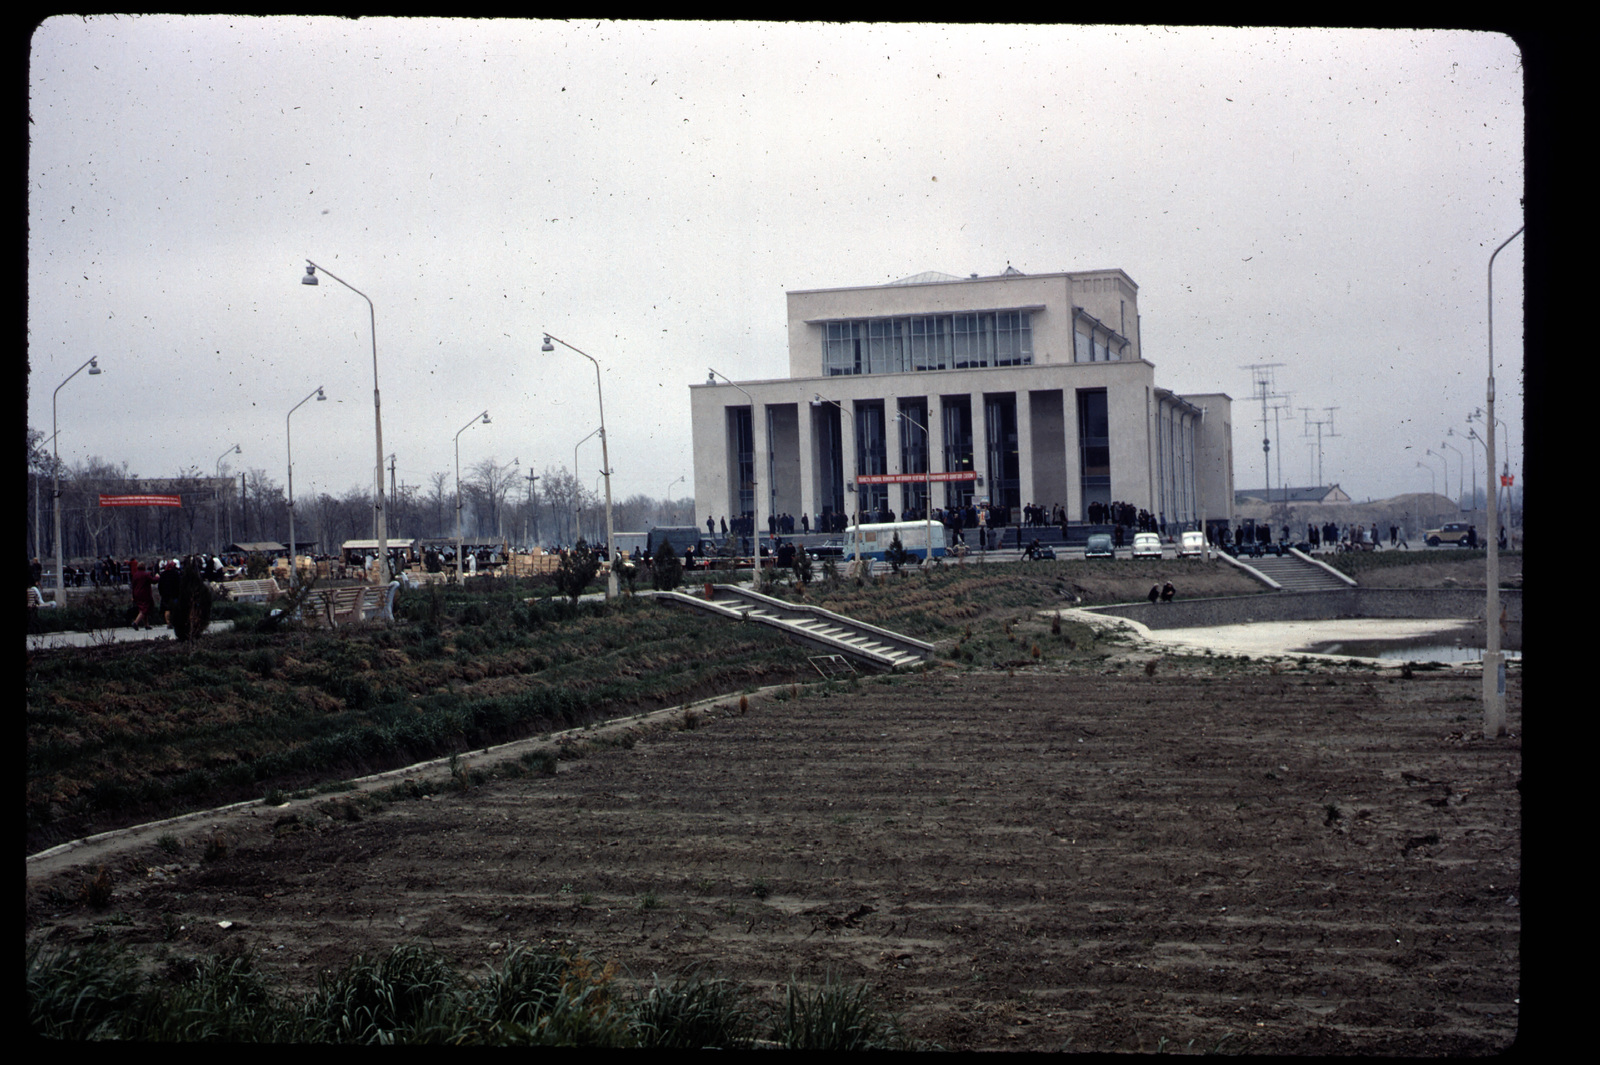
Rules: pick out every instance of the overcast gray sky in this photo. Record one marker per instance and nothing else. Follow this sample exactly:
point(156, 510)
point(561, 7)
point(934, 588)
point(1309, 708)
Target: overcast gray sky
point(1323, 199)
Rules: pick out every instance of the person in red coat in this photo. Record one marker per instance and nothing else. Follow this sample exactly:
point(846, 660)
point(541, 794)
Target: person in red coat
point(140, 580)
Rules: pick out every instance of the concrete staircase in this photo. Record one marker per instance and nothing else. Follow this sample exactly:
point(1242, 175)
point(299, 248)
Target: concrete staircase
point(1295, 572)
point(876, 647)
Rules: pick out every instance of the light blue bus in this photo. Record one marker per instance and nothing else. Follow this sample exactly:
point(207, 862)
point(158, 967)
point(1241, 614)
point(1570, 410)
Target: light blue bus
point(873, 540)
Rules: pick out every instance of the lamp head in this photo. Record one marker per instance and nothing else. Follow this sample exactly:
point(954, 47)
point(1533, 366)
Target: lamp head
point(486, 420)
point(320, 396)
point(311, 275)
point(94, 366)
point(547, 346)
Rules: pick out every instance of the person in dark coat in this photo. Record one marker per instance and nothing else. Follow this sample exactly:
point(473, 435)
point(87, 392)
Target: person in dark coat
point(1168, 592)
point(140, 582)
point(167, 588)
point(1155, 593)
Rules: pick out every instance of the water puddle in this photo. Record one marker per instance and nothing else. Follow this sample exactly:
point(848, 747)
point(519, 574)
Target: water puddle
point(1432, 647)
point(1439, 640)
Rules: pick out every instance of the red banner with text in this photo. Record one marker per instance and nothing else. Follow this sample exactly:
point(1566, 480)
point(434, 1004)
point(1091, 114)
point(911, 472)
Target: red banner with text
point(141, 501)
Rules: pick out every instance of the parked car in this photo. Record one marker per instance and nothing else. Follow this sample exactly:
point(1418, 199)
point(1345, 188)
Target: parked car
point(834, 548)
point(1192, 544)
point(1452, 532)
point(1099, 546)
point(1146, 545)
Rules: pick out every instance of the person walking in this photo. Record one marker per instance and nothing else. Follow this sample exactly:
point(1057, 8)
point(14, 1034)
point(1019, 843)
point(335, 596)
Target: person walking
point(167, 588)
point(139, 582)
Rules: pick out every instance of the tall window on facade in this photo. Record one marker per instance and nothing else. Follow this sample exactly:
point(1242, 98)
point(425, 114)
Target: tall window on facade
point(930, 343)
point(1000, 423)
point(872, 456)
point(841, 348)
point(914, 457)
point(937, 342)
point(740, 431)
point(955, 414)
point(1013, 339)
point(1094, 448)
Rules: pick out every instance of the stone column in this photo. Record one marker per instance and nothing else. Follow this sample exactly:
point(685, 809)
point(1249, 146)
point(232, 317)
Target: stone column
point(806, 440)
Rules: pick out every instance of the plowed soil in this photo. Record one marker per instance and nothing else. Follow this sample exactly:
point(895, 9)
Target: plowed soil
point(1321, 862)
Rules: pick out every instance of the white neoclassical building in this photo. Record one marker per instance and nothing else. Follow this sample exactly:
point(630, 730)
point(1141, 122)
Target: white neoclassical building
point(1011, 389)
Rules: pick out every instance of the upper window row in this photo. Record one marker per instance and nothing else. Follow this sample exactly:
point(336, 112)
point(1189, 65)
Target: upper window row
point(1096, 348)
point(944, 342)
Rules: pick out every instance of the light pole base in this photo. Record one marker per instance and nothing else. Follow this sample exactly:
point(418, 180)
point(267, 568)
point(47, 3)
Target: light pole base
point(1494, 695)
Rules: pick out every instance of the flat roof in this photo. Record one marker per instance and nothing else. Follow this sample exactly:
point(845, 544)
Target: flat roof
point(935, 278)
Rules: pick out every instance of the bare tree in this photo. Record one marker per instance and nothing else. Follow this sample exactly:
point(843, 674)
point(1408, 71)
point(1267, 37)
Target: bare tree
point(565, 495)
point(440, 494)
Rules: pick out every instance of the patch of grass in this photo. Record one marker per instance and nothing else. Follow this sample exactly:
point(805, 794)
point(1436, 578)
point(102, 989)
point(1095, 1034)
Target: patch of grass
point(693, 1013)
point(835, 1017)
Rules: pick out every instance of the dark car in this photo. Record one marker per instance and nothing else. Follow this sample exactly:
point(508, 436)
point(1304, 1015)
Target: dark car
point(1100, 546)
point(829, 549)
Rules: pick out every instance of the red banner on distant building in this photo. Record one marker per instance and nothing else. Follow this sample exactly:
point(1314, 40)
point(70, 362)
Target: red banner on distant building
point(915, 478)
point(1506, 479)
point(141, 501)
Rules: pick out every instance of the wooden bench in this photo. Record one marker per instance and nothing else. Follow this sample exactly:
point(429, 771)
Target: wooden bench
point(341, 606)
point(260, 591)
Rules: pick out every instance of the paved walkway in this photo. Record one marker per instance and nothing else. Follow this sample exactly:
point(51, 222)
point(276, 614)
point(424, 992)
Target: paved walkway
point(45, 641)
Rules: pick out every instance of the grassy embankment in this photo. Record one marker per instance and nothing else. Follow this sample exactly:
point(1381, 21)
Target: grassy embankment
point(135, 731)
point(1425, 569)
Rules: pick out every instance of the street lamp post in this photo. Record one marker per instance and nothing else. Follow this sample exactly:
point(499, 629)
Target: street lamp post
point(1504, 457)
point(855, 526)
point(755, 476)
point(605, 460)
point(577, 491)
point(310, 278)
point(1494, 667)
point(1472, 500)
point(670, 511)
point(1446, 460)
point(55, 453)
point(461, 559)
point(1433, 478)
point(530, 506)
point(289, 441)
point(1461, 477)
point(216, 499)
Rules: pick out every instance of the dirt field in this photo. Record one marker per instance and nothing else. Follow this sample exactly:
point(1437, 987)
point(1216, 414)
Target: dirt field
point(1301, 862)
